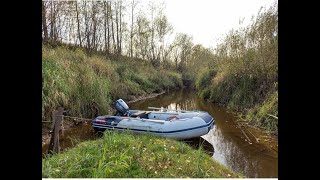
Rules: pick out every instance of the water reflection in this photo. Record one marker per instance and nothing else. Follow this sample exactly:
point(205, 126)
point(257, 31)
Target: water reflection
point(225, 142)
point(230, 145)
point(73, 136)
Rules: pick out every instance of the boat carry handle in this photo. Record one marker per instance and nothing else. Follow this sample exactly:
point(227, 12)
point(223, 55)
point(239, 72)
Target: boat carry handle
point(169, 109)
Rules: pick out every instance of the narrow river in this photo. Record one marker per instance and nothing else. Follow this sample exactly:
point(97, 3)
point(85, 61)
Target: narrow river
point(230, 143)
point(231, 147)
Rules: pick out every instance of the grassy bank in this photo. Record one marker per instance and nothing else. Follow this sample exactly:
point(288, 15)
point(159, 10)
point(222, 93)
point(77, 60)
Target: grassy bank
point(124, 155)
point(86, 85)
point(243, 74)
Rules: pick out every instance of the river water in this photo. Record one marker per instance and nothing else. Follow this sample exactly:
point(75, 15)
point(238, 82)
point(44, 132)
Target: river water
point(230, 145)
point(246, 150)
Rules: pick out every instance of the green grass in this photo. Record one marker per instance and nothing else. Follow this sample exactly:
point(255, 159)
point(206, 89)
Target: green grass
point(261, 114)
point(86, 85)
point(124, 155)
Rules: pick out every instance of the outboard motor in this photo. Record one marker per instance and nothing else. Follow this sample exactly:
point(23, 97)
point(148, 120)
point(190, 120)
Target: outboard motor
point(121, 107)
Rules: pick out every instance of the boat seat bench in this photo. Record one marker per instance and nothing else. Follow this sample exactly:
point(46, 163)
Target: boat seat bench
point(139, 113)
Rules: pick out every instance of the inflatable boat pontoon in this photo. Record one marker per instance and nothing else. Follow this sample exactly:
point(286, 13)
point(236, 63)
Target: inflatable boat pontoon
point(163, 122)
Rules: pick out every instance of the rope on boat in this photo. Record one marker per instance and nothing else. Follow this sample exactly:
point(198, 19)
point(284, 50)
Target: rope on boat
point(76, 118)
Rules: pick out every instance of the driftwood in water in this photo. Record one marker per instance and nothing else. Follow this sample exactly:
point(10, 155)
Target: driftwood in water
point(257, 140)
point(54, 141)
point(249, 141)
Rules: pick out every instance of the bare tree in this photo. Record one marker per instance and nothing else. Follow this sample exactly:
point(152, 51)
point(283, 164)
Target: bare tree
point(182, 46)
point(52, 19)
point(87, 26)
point(78, 24)
point(94, 24)
point(133, 5)
point(112, 28)
point(117, 25)
point(44, 22)
point(106, 27)
point(120, 27)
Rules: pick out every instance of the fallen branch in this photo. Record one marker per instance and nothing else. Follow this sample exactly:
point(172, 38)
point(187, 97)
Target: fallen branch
point(249, 141)
point(251, 134)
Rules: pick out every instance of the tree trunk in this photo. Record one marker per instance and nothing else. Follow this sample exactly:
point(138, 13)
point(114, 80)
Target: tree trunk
point(117, 26)
point(112, 31)
point(108, 26)
point(87, 33)
point(120, 29)
point(78, 23)
point(94, 23)
point(105, 28)
point(152, 34)
point(131, 32)
point(52, 21)
point(44, 22)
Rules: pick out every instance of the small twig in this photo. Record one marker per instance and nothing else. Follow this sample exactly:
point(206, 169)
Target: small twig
point(251, 134)
point(272, 116)
point(245, 134)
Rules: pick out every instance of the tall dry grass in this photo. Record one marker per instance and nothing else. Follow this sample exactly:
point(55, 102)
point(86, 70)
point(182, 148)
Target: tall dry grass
point(87, 85)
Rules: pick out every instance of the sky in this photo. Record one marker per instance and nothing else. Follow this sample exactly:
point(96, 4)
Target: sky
point(208, 20)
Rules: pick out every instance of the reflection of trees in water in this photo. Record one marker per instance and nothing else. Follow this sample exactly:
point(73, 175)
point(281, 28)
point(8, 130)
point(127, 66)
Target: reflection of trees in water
point(199, 141)
point(229, 148)
point(173, 99)
point(74, 136)
point(240, 156)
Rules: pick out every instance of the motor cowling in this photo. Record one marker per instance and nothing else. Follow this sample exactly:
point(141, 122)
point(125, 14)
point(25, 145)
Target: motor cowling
point(121, 107)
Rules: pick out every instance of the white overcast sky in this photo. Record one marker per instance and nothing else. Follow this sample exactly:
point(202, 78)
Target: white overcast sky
point(209, 20)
